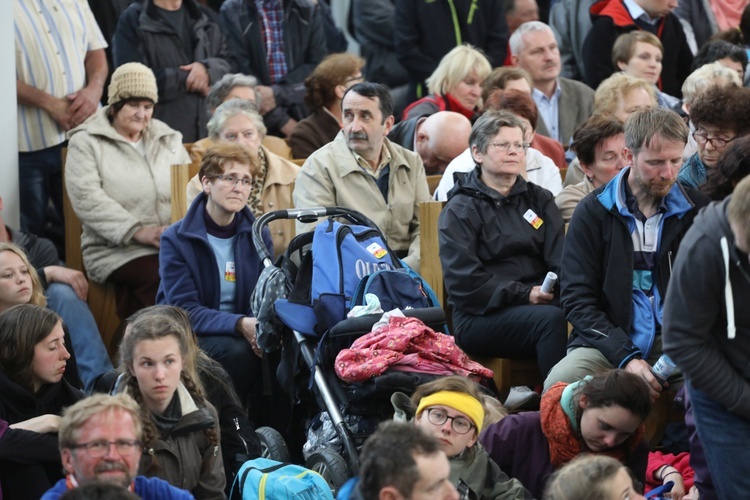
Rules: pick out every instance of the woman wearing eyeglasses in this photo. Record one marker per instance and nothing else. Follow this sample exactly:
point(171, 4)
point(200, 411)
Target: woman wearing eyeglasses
point(180, 427)
point(452, 409)
point(209, 266)
point(499, 237)
point(33, 393)
point(720, 116)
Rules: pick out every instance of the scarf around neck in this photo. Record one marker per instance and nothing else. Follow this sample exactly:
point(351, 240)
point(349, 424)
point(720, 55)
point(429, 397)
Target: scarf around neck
point(561, 429)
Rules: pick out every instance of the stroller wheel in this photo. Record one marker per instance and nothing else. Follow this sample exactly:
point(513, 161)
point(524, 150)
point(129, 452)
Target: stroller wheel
point(331, 466)
point(272, 445)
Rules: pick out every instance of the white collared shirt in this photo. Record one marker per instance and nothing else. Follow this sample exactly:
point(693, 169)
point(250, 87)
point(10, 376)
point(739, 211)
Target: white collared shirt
point(637, 12)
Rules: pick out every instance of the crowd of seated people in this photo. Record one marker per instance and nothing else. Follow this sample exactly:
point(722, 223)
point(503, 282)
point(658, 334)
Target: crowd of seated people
point(593, 175)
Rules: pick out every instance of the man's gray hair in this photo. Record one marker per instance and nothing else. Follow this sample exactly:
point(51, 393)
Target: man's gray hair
point(221, 89)
point(516, 39)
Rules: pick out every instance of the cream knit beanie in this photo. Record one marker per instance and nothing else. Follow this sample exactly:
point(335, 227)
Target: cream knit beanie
point(132, 80)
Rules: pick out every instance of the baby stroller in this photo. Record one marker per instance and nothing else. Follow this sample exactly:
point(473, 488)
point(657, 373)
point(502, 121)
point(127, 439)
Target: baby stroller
point(318, 329)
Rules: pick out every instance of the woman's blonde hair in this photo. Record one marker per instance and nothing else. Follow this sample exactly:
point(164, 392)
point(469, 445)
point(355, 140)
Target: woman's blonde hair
point(611, 91)
point(455, 66)
point(37, 291)
point(584, 478)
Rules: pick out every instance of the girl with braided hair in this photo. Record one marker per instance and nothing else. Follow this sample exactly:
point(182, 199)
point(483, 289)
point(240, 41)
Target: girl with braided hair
point(180, 427)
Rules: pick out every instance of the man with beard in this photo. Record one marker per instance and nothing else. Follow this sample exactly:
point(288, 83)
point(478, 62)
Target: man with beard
point(618, 254)
point(100, 440)
point(362, 170)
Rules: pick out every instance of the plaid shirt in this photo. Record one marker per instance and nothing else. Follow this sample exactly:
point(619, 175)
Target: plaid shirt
point(272, 22)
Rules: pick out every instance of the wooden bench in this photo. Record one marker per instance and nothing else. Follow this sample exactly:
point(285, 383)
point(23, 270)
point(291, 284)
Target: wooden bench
point(180, 176)
point(507, 372)
point(101, 297)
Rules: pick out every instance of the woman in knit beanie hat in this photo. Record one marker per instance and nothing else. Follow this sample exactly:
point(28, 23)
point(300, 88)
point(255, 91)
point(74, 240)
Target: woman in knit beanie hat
point(118, 180)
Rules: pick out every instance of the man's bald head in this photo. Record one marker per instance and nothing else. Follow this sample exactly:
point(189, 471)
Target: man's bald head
point(440, 138)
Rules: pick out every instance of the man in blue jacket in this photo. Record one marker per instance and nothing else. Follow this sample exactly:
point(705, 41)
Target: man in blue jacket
point(618, 254)
point(100, 440)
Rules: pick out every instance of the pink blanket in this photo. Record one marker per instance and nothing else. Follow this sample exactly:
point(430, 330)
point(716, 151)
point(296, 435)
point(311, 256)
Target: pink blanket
point(405, 344)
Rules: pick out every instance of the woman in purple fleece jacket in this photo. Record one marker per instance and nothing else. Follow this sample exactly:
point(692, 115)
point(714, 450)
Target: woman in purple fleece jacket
point(603, 414)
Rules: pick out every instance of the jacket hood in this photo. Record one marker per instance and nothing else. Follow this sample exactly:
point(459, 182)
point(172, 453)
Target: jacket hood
point(713, 219)
point(614, 9)
point(98, 124)
point(611, 197)
point(470, 184)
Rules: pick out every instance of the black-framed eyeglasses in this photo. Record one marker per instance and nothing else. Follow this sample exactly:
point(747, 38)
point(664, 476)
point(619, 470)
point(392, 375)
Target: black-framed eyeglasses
point(233, 180)
point(717, 142)
point(100, 447)
point(438, 416)
point(352, 80)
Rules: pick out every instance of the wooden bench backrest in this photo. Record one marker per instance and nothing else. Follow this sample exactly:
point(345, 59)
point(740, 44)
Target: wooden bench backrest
point(180, 176)
point(430, 267)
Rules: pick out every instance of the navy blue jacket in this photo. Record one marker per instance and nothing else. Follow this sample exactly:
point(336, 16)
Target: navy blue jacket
point(190, 278)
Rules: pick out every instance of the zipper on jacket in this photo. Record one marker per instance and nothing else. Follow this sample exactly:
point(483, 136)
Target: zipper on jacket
point(669, 256)
point(237, 428)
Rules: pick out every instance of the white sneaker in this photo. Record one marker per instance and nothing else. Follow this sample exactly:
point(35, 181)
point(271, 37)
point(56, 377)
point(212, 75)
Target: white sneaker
point(521, 398)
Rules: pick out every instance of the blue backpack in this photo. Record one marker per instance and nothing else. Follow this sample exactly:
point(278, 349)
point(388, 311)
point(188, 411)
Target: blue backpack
point(396, 289)
point(340, 256)
point(265, 479)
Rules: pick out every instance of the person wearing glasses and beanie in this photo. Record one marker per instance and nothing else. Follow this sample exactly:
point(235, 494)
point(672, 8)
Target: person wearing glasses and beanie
point(453, 410)
point(209, 266)
point(117, 177)
point(720, 115)
point(100, 440)
point(499, 237)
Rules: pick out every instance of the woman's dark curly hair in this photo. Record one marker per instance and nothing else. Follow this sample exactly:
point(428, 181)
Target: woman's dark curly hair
point(723, 107)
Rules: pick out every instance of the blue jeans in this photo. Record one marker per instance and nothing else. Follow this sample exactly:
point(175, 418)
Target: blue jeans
point(726, 444)
point(40, 178)
point(91, 355)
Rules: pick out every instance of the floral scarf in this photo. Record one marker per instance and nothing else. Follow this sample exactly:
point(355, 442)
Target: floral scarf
point(259, 180)
point(561, 430)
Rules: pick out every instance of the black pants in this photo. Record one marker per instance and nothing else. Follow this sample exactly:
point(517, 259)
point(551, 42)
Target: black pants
point(518, 332)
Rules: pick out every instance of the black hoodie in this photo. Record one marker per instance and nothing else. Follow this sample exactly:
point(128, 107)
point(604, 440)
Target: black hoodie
point(706, 329)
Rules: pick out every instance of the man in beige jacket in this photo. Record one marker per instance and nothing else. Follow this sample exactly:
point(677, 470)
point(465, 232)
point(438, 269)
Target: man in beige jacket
point(364, 171)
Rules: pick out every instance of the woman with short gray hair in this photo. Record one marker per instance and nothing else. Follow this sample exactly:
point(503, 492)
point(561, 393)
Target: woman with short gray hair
point(499, 237)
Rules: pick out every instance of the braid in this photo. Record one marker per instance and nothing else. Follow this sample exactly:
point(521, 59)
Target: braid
point(212, 433)
point(150, 432)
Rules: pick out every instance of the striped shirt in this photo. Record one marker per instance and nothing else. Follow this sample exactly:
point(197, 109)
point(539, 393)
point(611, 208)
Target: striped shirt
point(52, 38)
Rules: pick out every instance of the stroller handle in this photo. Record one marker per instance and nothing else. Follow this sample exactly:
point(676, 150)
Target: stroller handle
point(306, 215)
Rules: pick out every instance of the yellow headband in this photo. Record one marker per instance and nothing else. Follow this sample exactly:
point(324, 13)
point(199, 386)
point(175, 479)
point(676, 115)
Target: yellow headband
point(458, 401)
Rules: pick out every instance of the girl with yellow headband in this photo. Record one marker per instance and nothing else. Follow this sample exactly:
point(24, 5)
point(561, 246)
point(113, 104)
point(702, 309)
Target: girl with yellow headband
point(453, 410)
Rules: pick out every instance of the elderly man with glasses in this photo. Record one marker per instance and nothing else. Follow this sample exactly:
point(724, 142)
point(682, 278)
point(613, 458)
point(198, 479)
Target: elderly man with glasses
point(100, 440)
